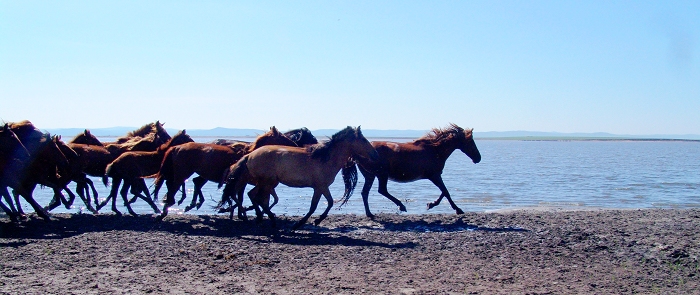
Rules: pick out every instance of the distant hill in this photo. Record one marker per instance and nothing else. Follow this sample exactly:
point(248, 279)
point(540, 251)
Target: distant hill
point(68, 133)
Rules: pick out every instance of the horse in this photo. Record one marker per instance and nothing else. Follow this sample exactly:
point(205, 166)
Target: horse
point(95, 155)
point(46, 165)
point(314, 166)
point(11, 150)
point(301, 137)
point(423, 158)
point(132, 166)
point(209, 161)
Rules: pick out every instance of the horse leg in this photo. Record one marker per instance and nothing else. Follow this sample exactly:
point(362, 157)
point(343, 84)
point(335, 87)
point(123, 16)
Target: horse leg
point(198, 191)
point(169, 198)
point(444, 193)
point(366, 188)
point(84, 197)
point(274, 196)
point(56, 200)
point(256, 195)
point(326, 193)
point(112, 193)
point(8, 199)
point(27, 195)
point(9, 211)
point(144, 189)
point(90, 184)
point(314, 204)
point(137, 190)
point(383, 182)
point(114, 198)
point(19, 205)
point(125, 196)
point(263, 200)
point(198, 184)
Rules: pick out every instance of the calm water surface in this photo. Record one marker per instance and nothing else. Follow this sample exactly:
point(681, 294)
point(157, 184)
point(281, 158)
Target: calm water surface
point(512, 174)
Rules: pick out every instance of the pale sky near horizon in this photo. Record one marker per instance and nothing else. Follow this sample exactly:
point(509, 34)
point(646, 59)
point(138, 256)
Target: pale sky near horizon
point(624, 67)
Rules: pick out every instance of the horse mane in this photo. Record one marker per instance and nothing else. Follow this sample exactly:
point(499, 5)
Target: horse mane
point(439, 135)
point(322, 150)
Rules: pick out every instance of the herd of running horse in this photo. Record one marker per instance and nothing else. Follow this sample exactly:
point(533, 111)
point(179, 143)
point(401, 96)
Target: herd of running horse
point(30, 157)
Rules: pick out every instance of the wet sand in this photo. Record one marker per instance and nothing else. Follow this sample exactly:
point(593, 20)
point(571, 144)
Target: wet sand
point(512, 252)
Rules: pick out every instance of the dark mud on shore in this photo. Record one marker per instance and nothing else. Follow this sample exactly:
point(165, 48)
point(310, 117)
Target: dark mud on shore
point(516, 252)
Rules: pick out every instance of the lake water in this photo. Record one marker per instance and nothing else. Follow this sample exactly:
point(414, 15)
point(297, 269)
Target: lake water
point(512, 174)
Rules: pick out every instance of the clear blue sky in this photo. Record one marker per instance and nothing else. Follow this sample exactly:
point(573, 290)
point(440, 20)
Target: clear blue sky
point(625, 67)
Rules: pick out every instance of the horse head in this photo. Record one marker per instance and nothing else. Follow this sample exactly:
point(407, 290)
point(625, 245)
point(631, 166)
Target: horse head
point(179, 138)
point(360, 146)
point(301, 136)
point(468, 146)
point(10, 144)
point(86, 138)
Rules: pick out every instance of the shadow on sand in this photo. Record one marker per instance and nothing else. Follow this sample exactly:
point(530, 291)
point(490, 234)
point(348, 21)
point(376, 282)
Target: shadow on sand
point(68, 225)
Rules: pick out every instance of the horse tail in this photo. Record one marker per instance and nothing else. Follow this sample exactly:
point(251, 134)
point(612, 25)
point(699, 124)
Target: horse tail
point(350, 179)
point(231, 178)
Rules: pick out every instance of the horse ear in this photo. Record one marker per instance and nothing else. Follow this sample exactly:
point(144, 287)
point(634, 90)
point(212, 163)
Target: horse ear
point(6, 127)
point(274, 130)
point(184, 131)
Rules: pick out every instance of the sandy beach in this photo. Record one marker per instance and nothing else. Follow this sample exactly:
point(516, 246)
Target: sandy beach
point(514, 252)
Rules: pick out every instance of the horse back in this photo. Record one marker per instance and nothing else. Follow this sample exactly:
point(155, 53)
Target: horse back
point(403, 162)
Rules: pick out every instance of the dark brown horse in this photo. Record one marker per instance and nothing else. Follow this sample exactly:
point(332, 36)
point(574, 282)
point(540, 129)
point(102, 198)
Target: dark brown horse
point(209, 161)
point(45, 166)
point(423, 158)
point(315, 166)
point(131, 167)
point(12, 152)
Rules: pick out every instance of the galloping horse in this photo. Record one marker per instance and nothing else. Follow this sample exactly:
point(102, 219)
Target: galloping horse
point(131, 167)
point(315, 166)
point(301, 137)
point(12, 151)
point(423, 158)
point(209, 161)
point(46, 165)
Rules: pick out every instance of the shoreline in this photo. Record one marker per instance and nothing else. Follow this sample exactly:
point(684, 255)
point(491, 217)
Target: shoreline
point(515, 252)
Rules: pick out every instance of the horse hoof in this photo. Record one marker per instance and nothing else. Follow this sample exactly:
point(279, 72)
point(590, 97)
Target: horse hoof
point(160, 218)
point(430, 206)
point(459, 211)
point(402, 208)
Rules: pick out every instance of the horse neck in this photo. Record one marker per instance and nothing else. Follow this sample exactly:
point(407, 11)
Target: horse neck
point(445, 148)
point(339, 156)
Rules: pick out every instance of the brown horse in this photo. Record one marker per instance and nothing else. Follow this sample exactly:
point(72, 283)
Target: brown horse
point(315, 166)
point(45, 166)
point(94, 156)
point(131, 167)
point(423, 158)
point(12, 151)
point(209, 161)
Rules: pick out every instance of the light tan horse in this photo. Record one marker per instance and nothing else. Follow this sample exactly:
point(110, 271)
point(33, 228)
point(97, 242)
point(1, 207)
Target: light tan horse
point(315, 166)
